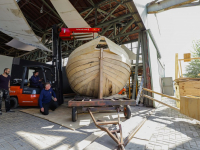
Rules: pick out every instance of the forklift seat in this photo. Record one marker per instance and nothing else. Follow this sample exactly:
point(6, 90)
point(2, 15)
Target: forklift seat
point(30, 90)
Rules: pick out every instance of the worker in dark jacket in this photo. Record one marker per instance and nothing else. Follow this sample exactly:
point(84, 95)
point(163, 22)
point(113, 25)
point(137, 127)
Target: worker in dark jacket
point(35, 80)
point(4, 90)
point(45, 100)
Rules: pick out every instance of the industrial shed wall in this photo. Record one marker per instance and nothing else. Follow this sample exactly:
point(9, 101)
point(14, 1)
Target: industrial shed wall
point(156, 66)
point(5, 62)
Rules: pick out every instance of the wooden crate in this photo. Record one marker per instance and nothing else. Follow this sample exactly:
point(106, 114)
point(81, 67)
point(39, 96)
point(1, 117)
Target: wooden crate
point(189, 88)
point(177, 95)
point(187, 57)
point(190, 107)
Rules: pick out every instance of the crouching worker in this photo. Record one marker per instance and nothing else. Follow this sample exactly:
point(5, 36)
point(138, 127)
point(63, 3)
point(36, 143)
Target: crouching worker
point(45, 100)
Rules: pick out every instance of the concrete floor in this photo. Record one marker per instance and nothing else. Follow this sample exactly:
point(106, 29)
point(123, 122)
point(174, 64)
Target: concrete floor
point(164, 129)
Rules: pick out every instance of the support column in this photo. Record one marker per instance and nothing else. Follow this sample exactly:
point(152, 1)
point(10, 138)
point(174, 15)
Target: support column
point(147, 102)
point(136, 67)
point(57, 63)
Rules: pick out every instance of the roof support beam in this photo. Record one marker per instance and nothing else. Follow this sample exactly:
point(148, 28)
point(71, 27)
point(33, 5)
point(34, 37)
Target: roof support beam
point(102, 11)
point(166, 5)
point(88, 13)
point(114, 20)
point(127, 26)
point(52, 10)
point(88, 9)
point(135, 40)
point(125, 34)
point(107, 28)
point(110, 13)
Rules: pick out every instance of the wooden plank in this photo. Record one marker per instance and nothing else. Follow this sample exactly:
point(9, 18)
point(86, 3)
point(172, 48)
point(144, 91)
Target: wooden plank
point(117, 62)
point(189, 88)
point(181, 73)
point(187, 57)
point(82, 57)
point(106, 93)
point(190, 59)
point(88, 91)
point(176, 66)
point(161, 94)
point(161, 102)
point(82, 78)
point(83, 73)
point(110, 87)
point(82, 62)
point(119, 68)
point(84, 89)
point(92, 43)
point(83, 67)
point(104, 83)
point(122, 79)
point(114, 71)
point(96, 86)
point(190, 107)
point(113, 88)
point(101, 103)
point(78, 86)
point(192, 96)
point(117, 83)
point(116, 57)
point(101, 74)
point(177, 95)
point(83, 51)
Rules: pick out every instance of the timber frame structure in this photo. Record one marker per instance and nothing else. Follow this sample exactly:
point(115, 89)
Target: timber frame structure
point(118, 19)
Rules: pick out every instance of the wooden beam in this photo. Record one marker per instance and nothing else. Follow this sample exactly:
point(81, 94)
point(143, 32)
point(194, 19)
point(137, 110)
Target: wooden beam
point(101, 74)
point(180, 69)
point(176, 66)
point(161, 94)
point(149, 97)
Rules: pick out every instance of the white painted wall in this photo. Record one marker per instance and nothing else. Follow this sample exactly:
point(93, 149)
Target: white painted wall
point(150, 22)
point(5, 62)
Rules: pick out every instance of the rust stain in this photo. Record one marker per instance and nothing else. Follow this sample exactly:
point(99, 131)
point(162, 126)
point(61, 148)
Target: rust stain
point(17, 12)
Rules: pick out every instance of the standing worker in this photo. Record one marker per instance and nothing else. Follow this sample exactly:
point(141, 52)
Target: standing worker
point(4, 90)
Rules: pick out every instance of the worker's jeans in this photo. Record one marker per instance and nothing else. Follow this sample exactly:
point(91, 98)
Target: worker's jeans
point(5, 94)
point(51, 105)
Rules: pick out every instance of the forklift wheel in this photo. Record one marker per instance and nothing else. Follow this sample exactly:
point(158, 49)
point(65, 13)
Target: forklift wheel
point(127, 111)
point(13, 102)
point(74, 114)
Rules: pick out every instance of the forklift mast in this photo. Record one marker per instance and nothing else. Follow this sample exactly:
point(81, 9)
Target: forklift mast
point(57, 64)
point(58, 35)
